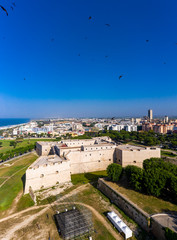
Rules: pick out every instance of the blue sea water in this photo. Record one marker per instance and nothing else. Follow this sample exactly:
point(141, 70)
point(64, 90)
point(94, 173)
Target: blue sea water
point(12, 121)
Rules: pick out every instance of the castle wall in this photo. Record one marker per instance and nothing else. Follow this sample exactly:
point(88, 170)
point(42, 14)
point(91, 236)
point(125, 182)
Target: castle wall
point(78, 142)
point(132, 210)
point(135, 157)
point(43, 148)
point(90, 161)
point(47, 175)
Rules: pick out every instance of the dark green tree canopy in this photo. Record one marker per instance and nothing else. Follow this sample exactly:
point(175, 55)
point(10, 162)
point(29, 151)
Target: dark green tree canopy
point(114, 171)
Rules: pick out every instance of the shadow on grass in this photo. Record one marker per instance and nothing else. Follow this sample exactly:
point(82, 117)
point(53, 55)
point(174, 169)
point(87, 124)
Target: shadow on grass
point(91, 177)
point(23, 178)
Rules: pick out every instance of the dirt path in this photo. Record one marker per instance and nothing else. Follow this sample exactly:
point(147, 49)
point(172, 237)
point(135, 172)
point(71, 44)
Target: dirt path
point(10, 232)
point(74, 191)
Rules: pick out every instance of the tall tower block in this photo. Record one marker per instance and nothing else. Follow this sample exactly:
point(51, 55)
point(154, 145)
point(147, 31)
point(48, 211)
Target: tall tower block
point(150, 114)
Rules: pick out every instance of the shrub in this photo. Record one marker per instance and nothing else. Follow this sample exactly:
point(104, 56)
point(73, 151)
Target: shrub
point(114, 172)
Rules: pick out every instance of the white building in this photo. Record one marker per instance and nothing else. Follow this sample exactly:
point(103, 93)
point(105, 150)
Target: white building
point(131, 128)
point(119, 224)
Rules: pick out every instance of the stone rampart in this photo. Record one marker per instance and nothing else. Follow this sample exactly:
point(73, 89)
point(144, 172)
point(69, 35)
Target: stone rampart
point(132, 210)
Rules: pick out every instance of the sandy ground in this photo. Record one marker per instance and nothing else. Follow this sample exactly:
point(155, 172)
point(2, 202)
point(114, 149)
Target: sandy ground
point(9, 233)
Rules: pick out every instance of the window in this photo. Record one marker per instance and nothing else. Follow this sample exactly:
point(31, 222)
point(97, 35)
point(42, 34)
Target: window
point(42, 175)
point(99, 161)
point(90, 154)
point(57, 172)
point(134, 161)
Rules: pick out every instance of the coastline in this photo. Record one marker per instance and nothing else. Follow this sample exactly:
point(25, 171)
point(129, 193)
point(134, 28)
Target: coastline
point(14, 125)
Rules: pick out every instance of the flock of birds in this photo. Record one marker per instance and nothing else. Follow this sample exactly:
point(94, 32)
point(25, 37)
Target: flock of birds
point(52, 39)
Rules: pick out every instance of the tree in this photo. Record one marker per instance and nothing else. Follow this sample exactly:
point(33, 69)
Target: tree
point(0, 144)
point(135, 177)
point(173, 186)
point(114, 171)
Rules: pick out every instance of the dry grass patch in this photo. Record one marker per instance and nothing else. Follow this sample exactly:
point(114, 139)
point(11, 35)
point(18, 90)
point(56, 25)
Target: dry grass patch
point(148, 203)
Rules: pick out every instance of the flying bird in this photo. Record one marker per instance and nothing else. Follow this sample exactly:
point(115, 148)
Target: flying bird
point(107, 24)
point(12, 8)
point(120, 77)
point(4, 9)
point(106, 56)
point(147, 41)
point(52, 39)
point(79, 55)
point(90, 17)
point(164, 63)
point(14, 4)
point(24, 78)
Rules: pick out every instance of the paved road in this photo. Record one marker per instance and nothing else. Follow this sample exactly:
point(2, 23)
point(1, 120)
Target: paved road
point(16, 157)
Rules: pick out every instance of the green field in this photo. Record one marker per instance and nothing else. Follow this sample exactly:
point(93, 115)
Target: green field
point(6, 144)
point(14, 184)
point(168, 154)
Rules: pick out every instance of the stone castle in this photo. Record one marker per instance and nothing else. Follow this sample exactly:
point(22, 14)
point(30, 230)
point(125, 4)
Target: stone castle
point(58, 160)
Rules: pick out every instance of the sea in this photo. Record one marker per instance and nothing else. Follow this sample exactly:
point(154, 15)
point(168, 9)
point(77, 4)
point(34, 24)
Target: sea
point(7, 122)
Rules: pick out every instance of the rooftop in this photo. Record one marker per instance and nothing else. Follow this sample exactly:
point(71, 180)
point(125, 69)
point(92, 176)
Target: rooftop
point(131, 147)
point(47, 143)
point(76, 140)
point(43, 160)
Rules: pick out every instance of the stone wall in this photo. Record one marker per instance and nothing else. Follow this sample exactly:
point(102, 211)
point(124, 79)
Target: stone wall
point(157, 229)
point(46, 176)
point(90, 161)
point(78, 142)
point(147, 222)
point(135, 157)
point(132, 210)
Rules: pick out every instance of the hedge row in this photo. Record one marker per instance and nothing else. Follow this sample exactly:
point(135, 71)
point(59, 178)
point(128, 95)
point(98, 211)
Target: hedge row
point(16, 152)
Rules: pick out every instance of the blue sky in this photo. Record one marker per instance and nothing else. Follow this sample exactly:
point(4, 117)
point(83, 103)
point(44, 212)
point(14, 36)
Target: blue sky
point(61, 55)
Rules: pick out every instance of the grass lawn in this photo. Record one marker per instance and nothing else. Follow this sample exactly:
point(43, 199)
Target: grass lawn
point(148, 203)
point(168, 154)
point(14, 185)
point(24, 202)
point(87, 177)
